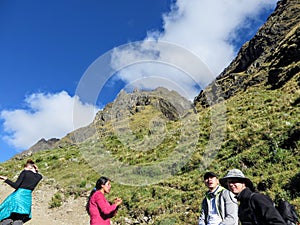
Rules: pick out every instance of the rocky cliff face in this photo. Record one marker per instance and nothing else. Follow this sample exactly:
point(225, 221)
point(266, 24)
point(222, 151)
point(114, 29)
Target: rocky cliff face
point(42, 144)
point(170, 103)
point(271, 57)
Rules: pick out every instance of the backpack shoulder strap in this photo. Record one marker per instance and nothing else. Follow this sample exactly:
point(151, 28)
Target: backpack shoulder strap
point(252, 208)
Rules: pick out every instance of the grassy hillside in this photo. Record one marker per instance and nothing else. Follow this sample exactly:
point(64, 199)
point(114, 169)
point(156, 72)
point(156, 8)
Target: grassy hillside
point(157, 158)
point(261, 138)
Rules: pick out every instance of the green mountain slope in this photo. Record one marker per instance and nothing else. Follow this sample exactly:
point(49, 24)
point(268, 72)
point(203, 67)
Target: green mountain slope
point(156, 147)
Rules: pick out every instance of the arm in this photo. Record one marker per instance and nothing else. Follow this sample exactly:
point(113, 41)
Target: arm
point(105, 207)
point(230, 208)
point(16, 184)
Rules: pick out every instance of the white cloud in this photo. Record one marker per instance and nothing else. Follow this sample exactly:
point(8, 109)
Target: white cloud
point(205, 28)
point(195, 33)
point(147, 65)
point(46, 116)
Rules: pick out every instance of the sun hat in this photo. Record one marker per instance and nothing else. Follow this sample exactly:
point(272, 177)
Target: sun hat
point(236, 174)
point(209, 174)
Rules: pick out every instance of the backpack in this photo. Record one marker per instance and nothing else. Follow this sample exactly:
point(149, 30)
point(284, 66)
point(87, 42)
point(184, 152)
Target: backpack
point(287, 211)
point(253, 216)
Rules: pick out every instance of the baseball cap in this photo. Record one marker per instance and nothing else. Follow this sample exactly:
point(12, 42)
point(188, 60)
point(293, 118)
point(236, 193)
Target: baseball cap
point(210, 174)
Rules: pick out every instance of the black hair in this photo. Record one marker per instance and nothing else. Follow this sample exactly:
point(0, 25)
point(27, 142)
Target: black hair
point(101, 181)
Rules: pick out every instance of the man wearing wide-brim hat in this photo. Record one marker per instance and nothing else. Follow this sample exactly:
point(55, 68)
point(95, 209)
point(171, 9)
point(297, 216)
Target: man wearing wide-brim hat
point(254, 207)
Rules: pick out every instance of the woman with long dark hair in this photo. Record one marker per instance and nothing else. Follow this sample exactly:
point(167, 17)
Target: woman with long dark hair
point(99, 209)
point(16, 208)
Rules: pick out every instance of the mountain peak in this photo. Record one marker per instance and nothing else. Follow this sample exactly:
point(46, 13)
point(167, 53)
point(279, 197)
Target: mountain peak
point(271, 57)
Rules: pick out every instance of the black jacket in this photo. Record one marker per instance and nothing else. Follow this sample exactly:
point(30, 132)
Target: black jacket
point(27, 180)
point(261, 209)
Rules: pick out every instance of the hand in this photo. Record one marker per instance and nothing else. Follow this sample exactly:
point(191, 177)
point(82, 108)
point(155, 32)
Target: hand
point(3, 177)
point(36, 168)
point(118, 201)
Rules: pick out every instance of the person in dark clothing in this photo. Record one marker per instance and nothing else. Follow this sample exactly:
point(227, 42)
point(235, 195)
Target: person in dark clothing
point(16, 208)
point(254, 208)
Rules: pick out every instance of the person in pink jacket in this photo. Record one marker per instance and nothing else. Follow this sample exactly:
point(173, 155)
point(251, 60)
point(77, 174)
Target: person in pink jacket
point(99, 209)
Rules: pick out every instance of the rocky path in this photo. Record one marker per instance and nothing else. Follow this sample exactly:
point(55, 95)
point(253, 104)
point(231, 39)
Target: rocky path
point(72, 212)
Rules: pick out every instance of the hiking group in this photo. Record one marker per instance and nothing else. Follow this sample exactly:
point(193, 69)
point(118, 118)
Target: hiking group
point(230, 200)
point(16, 208)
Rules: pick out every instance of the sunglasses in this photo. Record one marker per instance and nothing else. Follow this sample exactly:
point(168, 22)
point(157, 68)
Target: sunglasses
point(234, 180)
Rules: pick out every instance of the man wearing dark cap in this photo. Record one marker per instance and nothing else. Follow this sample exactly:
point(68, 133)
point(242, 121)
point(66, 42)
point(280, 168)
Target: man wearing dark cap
point(254, 208)
point(219, 207)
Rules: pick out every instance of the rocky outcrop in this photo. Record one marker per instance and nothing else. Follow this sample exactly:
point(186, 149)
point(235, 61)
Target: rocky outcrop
point(272, 56)
point(40, 145)
point(170, 103)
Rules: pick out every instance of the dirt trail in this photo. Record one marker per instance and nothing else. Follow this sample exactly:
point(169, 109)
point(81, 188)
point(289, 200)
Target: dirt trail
point(72, 212)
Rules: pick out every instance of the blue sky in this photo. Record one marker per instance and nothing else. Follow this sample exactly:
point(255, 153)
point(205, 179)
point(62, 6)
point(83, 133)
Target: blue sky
point(47, 47)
